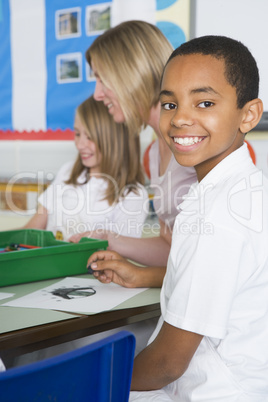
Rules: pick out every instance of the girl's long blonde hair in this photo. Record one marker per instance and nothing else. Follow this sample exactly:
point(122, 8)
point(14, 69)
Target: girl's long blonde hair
point(130, 59)
point(120, 151)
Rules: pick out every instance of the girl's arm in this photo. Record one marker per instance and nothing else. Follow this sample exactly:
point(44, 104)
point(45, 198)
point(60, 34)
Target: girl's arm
point(145, 250)
point(39, 220)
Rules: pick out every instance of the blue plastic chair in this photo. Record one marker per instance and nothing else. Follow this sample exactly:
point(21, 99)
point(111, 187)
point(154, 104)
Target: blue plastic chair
point(98, 372)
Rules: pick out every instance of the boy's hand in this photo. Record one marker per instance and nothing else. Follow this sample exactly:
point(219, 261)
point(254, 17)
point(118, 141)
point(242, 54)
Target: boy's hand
point(109, 266)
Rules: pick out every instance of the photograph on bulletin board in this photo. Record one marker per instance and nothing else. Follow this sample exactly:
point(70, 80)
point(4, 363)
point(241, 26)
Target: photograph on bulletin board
point(98, 18)
point(68, 23)
point(69, 68)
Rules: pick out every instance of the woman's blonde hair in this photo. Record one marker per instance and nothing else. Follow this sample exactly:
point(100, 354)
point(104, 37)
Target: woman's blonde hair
point(120, 152)
point(130, 59)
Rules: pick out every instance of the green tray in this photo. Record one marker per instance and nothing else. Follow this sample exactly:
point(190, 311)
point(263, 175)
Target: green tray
point(54, 259)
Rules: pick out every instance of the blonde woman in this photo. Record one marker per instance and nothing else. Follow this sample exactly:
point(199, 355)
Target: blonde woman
point(103, 189)
point(128, 61)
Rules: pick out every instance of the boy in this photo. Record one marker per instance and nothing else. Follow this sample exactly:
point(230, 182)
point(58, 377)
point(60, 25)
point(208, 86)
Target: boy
point(211, 342)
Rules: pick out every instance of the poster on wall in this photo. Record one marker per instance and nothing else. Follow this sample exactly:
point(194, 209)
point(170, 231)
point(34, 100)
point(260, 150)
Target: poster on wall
point(46, 74)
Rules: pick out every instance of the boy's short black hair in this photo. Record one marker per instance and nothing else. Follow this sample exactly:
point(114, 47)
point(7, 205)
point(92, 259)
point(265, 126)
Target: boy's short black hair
point(241, 70)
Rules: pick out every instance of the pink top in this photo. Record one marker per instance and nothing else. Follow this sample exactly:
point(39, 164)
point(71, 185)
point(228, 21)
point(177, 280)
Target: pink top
point(169, 188)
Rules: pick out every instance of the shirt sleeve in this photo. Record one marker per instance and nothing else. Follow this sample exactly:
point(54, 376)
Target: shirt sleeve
point(47, 198)
point(203, 277)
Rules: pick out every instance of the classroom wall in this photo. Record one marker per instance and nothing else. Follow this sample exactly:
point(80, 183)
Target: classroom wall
point(39, 99)
point(25, 101)
point(244, 20)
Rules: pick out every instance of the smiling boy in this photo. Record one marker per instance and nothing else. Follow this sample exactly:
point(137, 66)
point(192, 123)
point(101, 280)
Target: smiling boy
point(211, 341)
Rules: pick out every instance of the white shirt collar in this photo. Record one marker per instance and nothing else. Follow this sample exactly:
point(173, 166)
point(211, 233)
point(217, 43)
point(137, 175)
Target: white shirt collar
point(221, 172)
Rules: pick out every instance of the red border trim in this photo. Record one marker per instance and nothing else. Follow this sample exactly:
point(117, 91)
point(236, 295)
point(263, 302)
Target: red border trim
point(49, 135)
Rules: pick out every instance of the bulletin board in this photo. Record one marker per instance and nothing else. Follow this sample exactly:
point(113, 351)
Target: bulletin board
point(44, 74)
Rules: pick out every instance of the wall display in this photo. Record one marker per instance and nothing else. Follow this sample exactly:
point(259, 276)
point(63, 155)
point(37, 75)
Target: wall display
point(43, 45)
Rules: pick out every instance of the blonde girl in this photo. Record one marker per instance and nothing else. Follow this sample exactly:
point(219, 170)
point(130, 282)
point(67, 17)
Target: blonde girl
point(103, 189)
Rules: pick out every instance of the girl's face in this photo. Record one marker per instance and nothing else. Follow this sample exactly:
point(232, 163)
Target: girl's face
point(108, 97)
point(87, 149)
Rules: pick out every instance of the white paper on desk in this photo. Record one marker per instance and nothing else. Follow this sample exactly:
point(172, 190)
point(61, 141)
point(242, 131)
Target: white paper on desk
point(107, 296)
point(5, 295)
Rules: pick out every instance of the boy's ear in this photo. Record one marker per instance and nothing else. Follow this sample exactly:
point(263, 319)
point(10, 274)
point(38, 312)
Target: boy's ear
point(252, 115)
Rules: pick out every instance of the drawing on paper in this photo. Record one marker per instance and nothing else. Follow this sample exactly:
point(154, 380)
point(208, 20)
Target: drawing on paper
point(74, 292)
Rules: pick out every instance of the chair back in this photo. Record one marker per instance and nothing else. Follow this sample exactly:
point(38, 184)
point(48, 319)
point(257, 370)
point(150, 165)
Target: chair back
point(98, 372)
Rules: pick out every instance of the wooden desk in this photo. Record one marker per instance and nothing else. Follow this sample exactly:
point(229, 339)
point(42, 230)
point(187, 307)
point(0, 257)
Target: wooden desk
point(58, 329)
point(26, 340)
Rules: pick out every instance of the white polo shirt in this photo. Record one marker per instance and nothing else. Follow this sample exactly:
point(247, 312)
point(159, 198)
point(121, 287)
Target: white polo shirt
point(216, 285)
point(77, 209)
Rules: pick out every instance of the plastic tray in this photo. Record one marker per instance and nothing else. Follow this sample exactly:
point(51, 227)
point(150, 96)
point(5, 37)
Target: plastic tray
point(53, 259)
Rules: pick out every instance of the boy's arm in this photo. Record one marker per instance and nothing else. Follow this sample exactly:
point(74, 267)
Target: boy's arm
point(165, 359)
point(109, 266)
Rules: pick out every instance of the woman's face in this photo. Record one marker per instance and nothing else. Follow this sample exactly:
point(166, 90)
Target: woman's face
point(108, 97)
point(87, 149)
